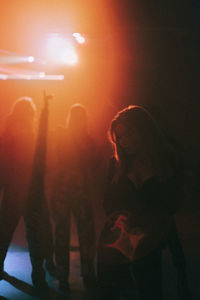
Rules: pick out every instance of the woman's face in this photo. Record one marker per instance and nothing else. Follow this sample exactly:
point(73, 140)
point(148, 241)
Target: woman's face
point(128, 138)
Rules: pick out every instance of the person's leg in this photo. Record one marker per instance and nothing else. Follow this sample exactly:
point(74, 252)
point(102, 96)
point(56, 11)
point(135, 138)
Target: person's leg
point(9, 219)
point(115, 282)
point(179, 261)
point(35, 232)
point(109, 293)
point(114, 276)
point(49, 243)
point(62, 248)
point(86, 234)
point(35, 239)
point(147, 274)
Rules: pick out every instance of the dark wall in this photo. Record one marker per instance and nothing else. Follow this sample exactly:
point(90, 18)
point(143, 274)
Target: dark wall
point(160, 66)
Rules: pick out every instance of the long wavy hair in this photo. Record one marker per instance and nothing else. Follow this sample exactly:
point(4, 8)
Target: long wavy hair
point(159, 152)
point(77, 119)
point(22, 115)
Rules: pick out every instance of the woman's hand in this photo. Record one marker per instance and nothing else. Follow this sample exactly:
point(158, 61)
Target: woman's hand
point(46, 98)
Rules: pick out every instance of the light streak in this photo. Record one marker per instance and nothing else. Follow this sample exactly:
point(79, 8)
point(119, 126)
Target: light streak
point(41, 76)
point(8, 60)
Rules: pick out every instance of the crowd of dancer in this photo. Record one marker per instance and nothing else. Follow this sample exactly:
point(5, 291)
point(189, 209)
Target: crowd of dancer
point(143, 192)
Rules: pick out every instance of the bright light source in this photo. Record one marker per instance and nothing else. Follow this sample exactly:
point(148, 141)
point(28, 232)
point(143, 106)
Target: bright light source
point(80, 40)
point(3, 76)
point(78, 37)
point(31, 59)
point(40, 76)
point(10, 59)
point(61, 50)
point(76, 34)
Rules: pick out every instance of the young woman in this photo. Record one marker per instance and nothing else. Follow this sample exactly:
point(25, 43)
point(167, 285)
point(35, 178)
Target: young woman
point(75, 163)
point(142, 195)
point(17, 149)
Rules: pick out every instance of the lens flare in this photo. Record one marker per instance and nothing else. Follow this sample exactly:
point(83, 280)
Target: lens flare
point(80, 40)
point(78, 37)
point(61, 50)
point(31, 59)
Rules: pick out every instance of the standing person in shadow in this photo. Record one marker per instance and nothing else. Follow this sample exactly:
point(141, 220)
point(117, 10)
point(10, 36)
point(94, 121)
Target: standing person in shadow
point(142, 195)
point(17, 147)
point(76, 161)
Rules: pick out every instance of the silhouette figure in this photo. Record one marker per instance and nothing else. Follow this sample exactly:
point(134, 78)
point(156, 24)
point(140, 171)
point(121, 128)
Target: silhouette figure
point(17, 148)
point(38, 226)
point(76, 161)
point(142, 195)
point(19, 160)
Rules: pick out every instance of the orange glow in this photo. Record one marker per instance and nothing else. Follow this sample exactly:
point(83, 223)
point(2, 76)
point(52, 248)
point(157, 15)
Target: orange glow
point(96, 78)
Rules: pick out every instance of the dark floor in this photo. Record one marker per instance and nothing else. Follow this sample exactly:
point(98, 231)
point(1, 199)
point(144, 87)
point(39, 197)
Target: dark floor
point(17, 284)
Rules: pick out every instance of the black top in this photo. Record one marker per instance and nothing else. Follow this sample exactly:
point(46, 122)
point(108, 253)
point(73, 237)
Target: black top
point(151, 208)
point(155, 195)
